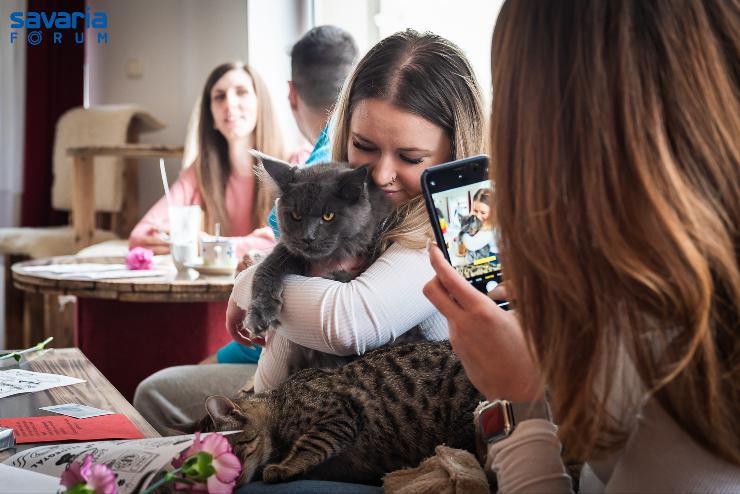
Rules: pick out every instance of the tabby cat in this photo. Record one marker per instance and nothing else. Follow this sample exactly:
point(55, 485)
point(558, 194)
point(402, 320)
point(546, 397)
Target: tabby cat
point(384, 411)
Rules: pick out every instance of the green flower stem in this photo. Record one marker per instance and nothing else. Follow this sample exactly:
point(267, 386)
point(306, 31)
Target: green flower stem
point(195, 469)
point(17, 355)
point(168, 477)
point(80, 488)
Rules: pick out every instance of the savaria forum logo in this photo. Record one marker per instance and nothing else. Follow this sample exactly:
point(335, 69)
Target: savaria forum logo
point(61, 26)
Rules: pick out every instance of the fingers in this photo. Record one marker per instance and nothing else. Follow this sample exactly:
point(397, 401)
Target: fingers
point(245, 262)
point(242, 336)
point(156, 245)
point(441, 298)
point(500, 292)
point(159, 250)
point(465, 293)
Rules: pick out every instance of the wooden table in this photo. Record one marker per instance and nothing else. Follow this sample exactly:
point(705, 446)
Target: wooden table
point(130, 328)
point(83, 194)
point(97, 392)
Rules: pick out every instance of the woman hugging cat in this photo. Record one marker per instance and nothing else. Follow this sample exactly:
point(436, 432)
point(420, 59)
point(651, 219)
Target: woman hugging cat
point(412, 102)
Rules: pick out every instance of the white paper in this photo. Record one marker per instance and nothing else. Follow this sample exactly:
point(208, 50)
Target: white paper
point(16, 381)
point(76, 410)
point(135, 461)
point(84, 267)
point(116, 274)
point(20, 481)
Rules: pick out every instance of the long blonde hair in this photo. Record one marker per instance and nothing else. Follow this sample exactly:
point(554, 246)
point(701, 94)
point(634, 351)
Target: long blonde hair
point(429, 76)
point(616, 142)
point(213, 166)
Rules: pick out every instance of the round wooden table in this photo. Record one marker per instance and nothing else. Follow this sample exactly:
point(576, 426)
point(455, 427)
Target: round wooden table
point(132, 327)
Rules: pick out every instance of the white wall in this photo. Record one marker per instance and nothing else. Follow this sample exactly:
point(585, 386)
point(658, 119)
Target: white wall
point(467, 23)
point(178, 43)
point(358, 18)
point(273, 27)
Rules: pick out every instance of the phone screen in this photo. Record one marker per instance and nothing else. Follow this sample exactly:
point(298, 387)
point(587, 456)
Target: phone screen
point(460, 199)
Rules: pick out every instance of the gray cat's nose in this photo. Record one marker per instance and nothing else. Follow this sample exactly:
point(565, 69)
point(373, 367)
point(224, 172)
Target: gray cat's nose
point(308, 240)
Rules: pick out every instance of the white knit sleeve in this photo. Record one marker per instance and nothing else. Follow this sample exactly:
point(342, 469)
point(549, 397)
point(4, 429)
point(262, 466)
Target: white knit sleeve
point(351, 318)
point(529, 460)
point(272, 367)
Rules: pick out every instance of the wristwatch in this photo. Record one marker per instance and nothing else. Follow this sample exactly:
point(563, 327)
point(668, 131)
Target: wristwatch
point(495, 420)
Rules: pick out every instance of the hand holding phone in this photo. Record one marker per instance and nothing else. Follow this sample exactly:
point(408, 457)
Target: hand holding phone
point(459, 200)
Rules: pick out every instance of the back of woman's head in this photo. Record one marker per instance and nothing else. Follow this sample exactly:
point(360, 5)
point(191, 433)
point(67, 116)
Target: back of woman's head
point(616, 142)
point(214, 166)
point(426, 75)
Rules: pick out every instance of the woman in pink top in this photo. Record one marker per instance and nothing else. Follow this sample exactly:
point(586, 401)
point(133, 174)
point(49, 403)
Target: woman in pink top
point(235, 115)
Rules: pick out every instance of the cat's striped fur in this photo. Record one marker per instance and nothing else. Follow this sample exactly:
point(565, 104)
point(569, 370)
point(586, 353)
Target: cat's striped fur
point(384, 411)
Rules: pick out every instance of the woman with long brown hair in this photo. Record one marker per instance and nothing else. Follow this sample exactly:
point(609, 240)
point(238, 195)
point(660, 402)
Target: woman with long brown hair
point(235, 116)
point(616, 149)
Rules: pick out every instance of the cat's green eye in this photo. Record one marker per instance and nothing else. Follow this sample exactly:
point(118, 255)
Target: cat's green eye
point(296, 216)
point(328, 216)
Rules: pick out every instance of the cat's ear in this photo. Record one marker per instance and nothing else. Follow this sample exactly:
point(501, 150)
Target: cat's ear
point(280, 172)
point(351, 184)
point(224, 412)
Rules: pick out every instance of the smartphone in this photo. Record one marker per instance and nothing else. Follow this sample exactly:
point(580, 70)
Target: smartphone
point(459, 200)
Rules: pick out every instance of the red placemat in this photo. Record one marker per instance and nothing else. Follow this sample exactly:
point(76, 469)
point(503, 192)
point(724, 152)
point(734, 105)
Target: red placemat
point(61, 428)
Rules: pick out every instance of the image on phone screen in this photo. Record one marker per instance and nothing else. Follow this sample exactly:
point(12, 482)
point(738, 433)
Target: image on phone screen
point(465, 221)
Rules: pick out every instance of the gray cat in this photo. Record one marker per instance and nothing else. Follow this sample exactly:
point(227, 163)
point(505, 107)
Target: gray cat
point(328, 213)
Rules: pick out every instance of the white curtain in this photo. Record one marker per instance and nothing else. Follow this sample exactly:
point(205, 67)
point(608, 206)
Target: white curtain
point(12, 107)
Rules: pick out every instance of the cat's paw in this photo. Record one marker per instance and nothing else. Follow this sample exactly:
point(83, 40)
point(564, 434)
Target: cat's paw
point(261, 320)
point(277, 473)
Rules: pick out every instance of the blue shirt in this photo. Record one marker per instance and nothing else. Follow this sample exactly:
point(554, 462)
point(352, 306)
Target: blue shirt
point(236, 353)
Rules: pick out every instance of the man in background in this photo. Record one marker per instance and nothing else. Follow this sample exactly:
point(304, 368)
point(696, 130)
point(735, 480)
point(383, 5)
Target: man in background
point(319, 64)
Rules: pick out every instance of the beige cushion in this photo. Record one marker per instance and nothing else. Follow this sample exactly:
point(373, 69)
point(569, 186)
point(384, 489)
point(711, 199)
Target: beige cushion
point(96, 126)
point(111, 248)
point(44, 242)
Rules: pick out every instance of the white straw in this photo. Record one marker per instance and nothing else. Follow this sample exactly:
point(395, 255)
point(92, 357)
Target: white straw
point(164, 181)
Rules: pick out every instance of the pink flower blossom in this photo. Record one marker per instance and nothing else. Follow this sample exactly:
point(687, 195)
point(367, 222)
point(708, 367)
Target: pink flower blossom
point(89, 477)
point(139, 258)
point(226, 466)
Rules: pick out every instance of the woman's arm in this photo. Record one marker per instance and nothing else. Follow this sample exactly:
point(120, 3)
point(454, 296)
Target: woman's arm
point(529, 460)
point(351, 318)
point(493, 351)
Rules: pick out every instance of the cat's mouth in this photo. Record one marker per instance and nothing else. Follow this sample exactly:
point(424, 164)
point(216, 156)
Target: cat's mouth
point(313, 250)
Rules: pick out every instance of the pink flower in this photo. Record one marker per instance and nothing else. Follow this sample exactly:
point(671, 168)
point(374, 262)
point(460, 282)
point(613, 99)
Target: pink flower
point(89, 477)
point(139, 258)
point(210, 463)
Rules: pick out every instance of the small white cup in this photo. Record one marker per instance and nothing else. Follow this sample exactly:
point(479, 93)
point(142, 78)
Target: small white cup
point(219, 253)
